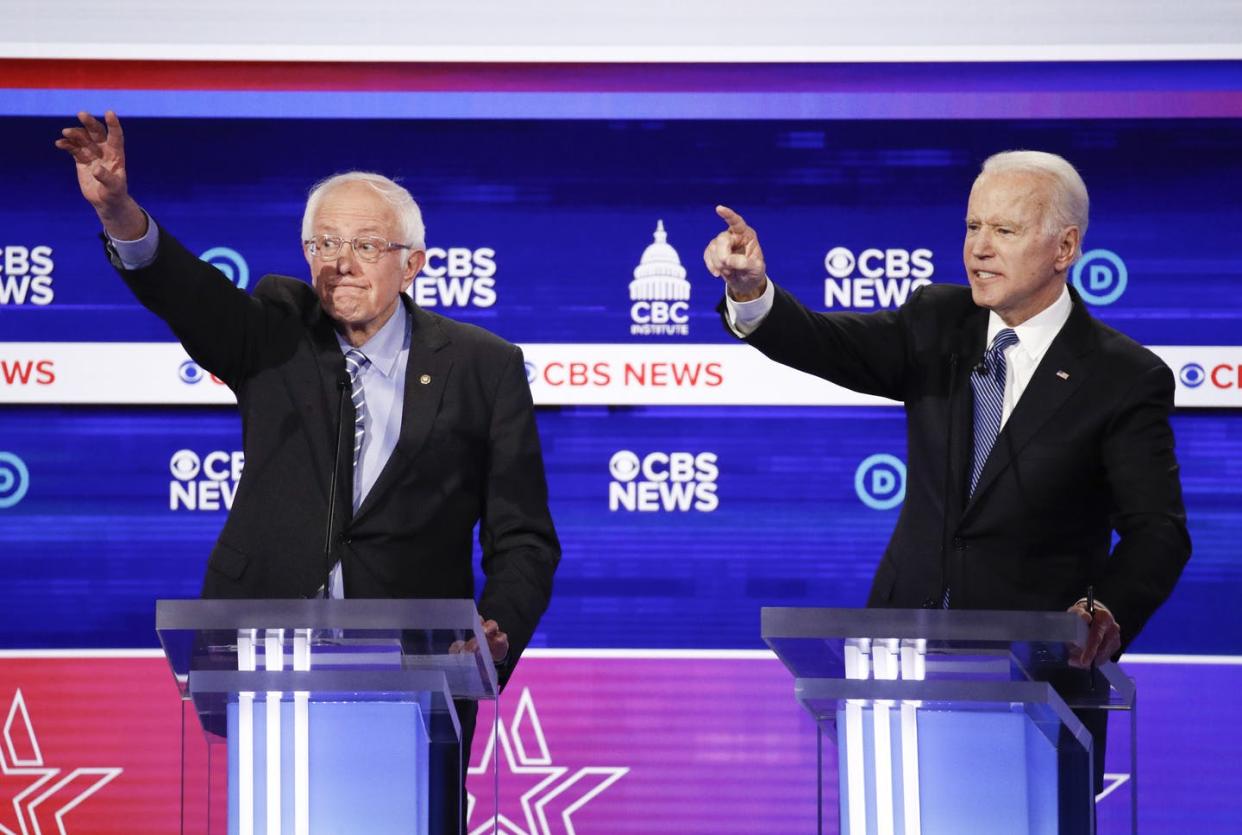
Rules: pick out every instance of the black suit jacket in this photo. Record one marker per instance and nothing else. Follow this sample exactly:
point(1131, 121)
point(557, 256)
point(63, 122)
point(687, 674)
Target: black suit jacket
point(1087, 451)
point(468, 452)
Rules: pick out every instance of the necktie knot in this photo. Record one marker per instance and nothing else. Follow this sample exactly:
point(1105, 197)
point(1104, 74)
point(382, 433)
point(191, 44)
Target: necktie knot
point(355, 361)
point(1002, 340)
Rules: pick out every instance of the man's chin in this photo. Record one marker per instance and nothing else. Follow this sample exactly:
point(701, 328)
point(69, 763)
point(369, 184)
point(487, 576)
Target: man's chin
point(981, 297)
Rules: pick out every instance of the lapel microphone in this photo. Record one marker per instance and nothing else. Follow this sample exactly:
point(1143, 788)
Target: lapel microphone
point(981, 368)
point(343, 385)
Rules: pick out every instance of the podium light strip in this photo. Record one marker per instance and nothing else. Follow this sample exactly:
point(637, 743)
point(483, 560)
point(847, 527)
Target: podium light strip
point(884, 657)
point(910, 768)
point(245, 736)
point(301, 737)
point(881, 718)
point(855, 766)
point(273, 662)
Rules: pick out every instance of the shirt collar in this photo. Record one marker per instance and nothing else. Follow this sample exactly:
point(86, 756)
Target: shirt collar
point(1036, 333)
point(384, 348)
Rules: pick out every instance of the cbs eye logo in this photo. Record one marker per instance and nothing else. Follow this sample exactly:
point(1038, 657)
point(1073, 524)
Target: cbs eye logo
point(1100, 277)
point(14, 479)
point(839, 262)
point(624, 466)
point(230, 262)
point(1192, 375)
point(880, 481)
point(184, 465)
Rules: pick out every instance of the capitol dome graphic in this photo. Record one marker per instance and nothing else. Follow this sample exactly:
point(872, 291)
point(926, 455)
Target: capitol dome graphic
point(660, 276)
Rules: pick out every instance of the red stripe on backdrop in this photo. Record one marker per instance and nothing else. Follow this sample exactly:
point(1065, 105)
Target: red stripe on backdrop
point(379, 77)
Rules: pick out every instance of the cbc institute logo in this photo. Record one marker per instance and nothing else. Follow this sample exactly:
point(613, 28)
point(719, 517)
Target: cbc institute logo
point(660, 293)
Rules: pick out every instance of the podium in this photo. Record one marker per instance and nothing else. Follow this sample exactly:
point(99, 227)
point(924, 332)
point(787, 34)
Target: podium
point(334, 716)
point(951, 721)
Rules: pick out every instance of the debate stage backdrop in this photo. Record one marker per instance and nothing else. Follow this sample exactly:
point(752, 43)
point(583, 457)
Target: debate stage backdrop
point(691, 481)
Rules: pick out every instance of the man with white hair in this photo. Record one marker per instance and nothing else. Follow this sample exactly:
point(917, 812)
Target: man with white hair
point(1033, 431)
point(443, 428)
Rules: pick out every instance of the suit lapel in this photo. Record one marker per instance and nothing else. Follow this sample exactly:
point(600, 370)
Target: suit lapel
point(426, 375)
point(1059, 374)
point(969, 341)
point(313, 385)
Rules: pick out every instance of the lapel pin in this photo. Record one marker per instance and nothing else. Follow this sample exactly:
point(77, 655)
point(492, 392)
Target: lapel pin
point(1064, 375)
point(425, 379)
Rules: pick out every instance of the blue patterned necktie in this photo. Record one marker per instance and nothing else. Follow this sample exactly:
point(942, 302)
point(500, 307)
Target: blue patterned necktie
point(989, 389)
point(355, 361)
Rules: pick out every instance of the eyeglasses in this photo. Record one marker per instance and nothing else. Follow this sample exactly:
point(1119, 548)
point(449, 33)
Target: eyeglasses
point(366, 247)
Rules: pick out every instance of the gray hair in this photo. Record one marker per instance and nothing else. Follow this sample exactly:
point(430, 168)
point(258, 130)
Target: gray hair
point(1070, 204)
point(409, 216)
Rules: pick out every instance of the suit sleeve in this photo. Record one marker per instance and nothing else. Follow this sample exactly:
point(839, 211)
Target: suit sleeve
point(519, 543)
point(1147, 510)
point(220, 326)
point(863, 352)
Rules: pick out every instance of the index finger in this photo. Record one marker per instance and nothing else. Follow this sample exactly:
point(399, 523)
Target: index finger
point(735, 221)
point(94, 129)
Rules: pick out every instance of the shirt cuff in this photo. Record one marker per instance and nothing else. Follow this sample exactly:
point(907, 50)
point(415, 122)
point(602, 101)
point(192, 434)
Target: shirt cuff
point(746, 317)
point(135, 255)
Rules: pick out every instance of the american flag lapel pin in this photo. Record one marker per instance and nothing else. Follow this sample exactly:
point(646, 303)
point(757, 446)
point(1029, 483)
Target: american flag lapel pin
point(1064, 375)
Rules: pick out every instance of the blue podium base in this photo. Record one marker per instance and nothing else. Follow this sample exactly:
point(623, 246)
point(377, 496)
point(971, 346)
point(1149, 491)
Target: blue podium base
point(364, 769)
point(946, 771)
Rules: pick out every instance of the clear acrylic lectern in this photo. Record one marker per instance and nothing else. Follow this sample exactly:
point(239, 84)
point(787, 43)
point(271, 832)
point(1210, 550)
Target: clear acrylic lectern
point(951, 721)
point(334, 716)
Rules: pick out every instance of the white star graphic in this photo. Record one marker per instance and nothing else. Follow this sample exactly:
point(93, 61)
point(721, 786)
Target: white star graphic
point(1112, 783)
point(27, 813)
point(587, 782)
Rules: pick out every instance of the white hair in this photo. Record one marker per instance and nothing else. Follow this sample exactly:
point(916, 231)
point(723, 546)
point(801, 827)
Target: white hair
point(409, 216)
point(1070, 204)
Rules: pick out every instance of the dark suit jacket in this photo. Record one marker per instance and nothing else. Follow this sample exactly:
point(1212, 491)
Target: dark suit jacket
point(468, 452)
point(1086, 452)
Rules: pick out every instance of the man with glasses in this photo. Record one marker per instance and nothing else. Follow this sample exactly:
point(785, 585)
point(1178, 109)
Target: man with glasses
point(443, 429)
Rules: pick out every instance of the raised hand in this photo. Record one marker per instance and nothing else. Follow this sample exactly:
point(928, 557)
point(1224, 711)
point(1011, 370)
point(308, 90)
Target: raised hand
point(98, 152)
point(735, 256)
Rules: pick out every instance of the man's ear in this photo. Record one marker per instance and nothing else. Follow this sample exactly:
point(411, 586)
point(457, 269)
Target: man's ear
point(413, 266)
point(1067, 247)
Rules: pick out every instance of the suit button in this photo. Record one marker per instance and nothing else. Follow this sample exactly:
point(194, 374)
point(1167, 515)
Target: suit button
point(346, 538)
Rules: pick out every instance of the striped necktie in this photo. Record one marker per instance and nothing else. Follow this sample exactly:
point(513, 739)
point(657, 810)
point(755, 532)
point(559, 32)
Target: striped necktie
point(989, 389)
point(355, 361)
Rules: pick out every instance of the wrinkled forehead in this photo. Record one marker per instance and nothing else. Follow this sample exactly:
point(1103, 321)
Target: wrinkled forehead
point(1011, 195)
point(354, 208)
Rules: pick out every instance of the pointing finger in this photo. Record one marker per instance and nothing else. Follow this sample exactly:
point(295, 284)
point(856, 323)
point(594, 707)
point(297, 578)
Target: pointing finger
point(736, 224)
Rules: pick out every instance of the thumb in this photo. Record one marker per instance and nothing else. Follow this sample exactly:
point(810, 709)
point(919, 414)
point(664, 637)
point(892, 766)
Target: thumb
point(105, 177)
